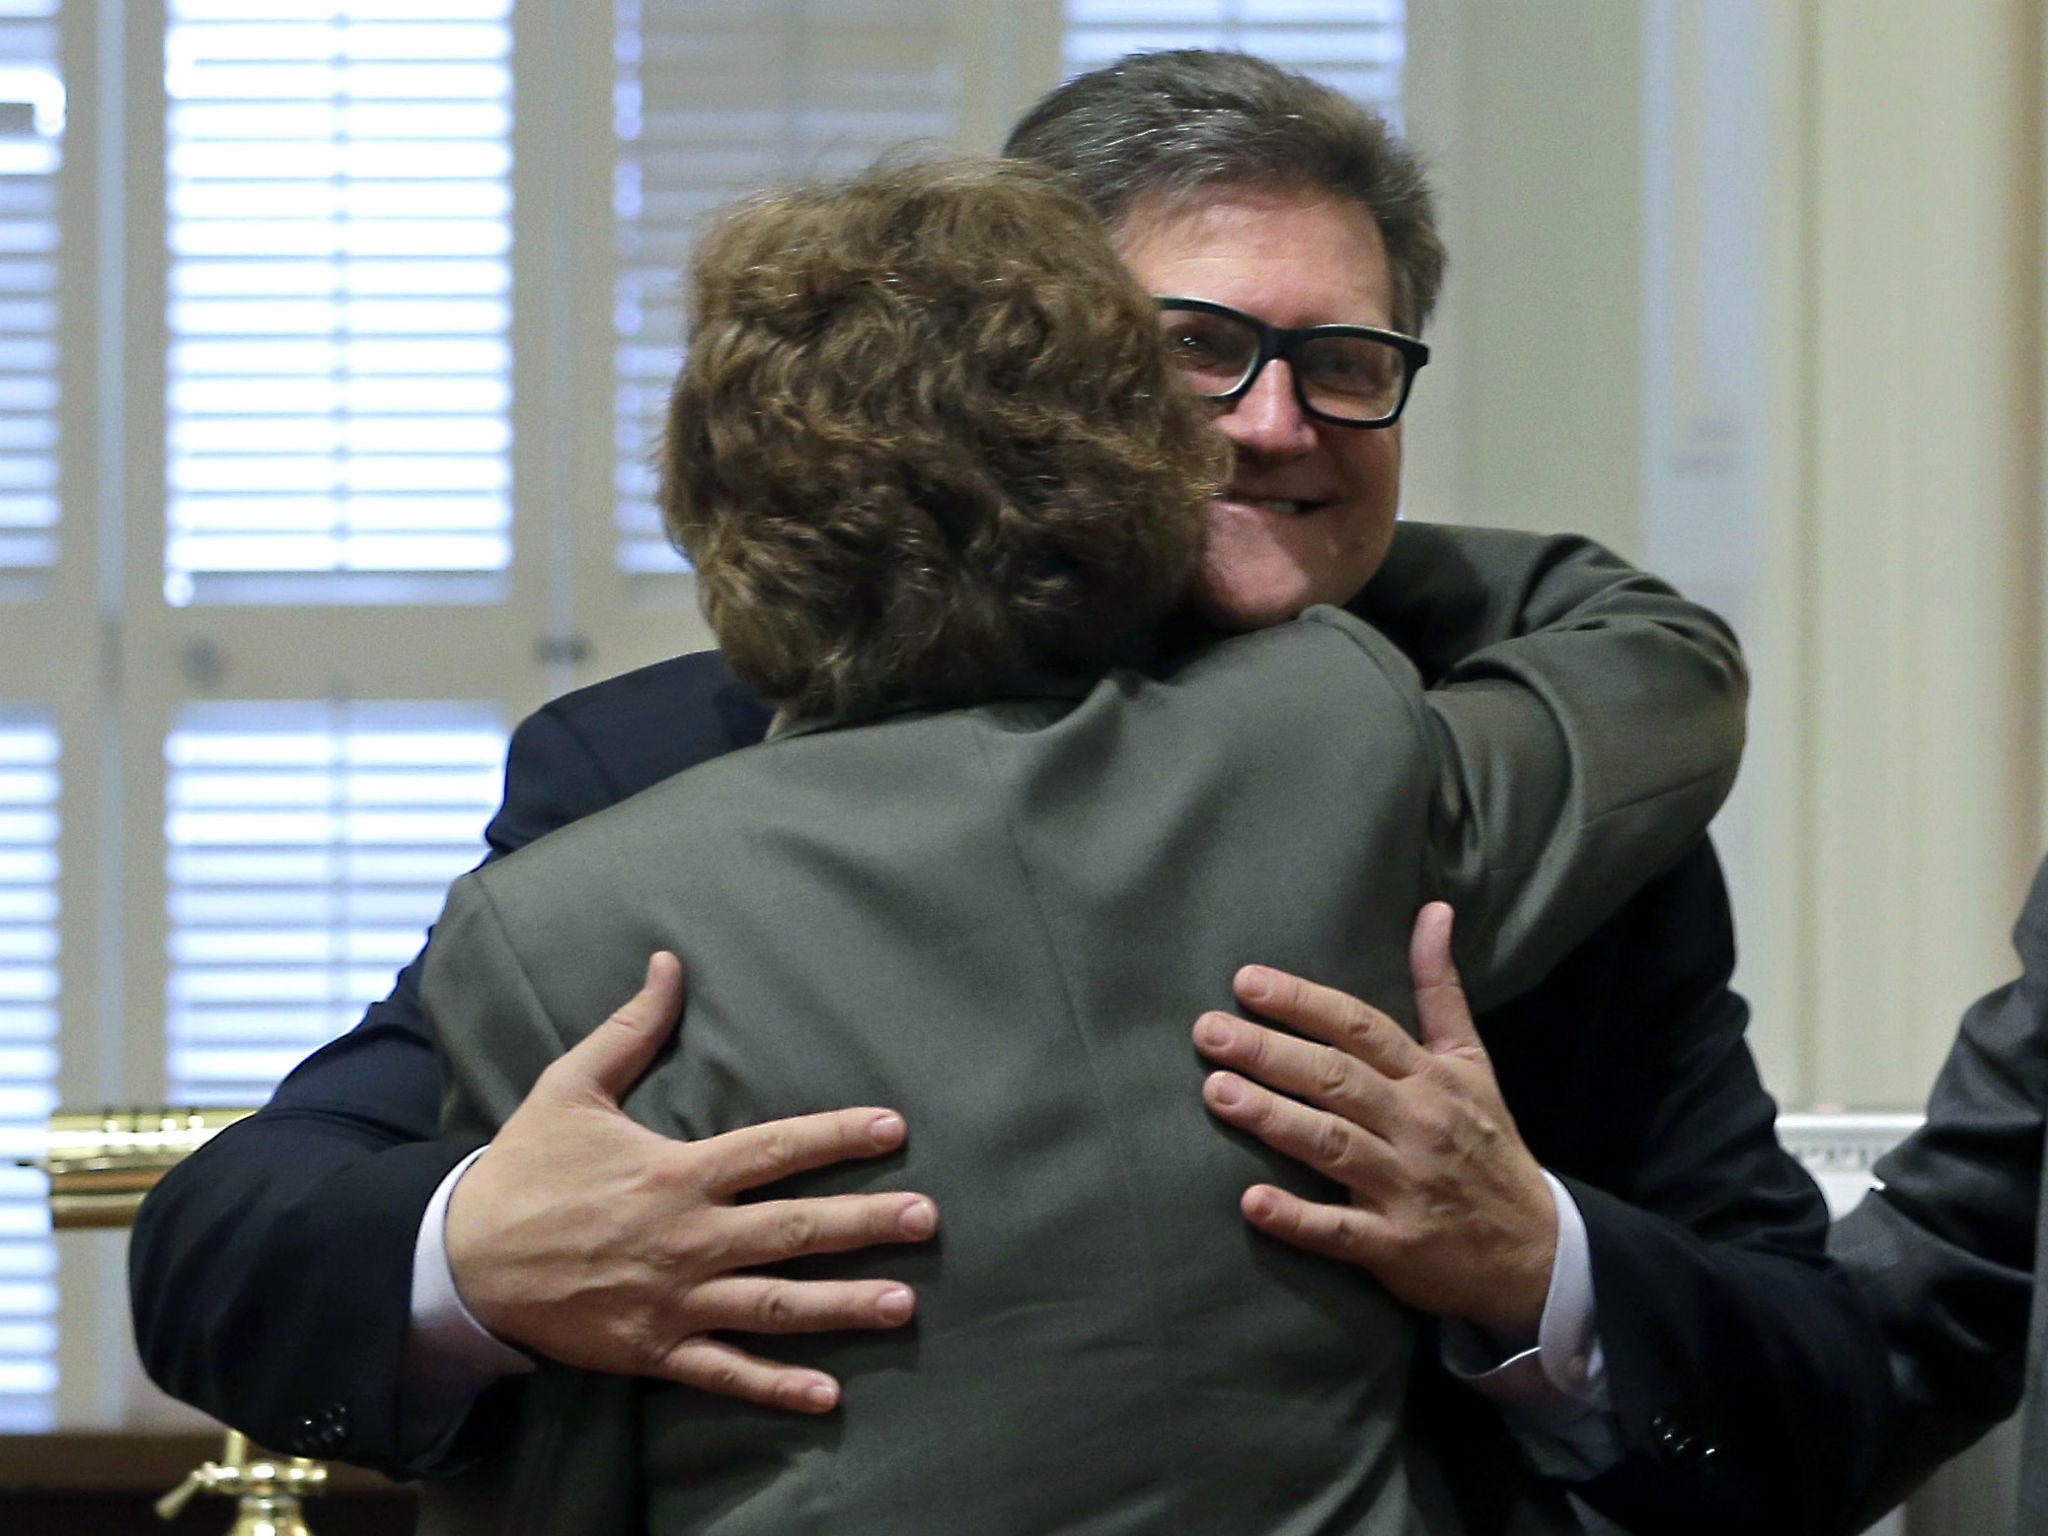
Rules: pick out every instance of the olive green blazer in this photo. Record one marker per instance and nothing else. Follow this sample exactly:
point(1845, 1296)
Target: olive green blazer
point(1002, 920)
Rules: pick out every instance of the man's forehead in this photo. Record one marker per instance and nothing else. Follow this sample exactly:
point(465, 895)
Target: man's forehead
point(1312, 251)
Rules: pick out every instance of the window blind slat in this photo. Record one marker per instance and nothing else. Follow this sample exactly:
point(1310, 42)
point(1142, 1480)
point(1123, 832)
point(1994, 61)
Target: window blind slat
point(340, 375)
point(1354, 46)
point(32, 111)
point(309, 845)
point(28, 1065)
point(712, 100)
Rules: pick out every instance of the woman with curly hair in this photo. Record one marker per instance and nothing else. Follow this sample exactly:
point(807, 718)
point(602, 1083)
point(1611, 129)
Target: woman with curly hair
point(926, 439)
point(942, 467)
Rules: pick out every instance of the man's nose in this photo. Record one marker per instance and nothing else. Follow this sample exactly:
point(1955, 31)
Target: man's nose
point(1267, 419)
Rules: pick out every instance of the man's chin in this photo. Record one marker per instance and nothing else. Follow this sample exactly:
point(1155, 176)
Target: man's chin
point(1260, 568)
point(1239, 600)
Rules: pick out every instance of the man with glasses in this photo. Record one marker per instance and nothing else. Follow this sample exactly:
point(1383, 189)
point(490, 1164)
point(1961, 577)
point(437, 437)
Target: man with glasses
point(1658, 1318)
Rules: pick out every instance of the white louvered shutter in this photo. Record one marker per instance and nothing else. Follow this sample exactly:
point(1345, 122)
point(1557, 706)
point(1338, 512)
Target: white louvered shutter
point(310, 845)
point(28, 1066)
point(31, 148)
point(32, 114)
point(714, 99)
point(1355, 46)
point(340, 203)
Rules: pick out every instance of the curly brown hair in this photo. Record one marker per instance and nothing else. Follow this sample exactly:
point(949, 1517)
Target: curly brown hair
point(927, 437)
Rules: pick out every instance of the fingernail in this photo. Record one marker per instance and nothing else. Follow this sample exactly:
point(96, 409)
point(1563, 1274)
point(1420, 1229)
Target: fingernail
point(1213, 1031)
point(886, 1129)
point(1260, 1204)
point(918, 1220)
point(1226, 1089)
point(1254, 983)
point(896, 1306)
point(822, 1394)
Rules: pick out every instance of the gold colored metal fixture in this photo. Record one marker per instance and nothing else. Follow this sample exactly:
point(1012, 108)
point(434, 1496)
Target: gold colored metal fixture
point(101, 1163)
point(268, 1489)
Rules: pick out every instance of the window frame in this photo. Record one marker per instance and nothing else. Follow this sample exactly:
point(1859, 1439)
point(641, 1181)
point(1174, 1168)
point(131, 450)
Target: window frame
point(112, 663)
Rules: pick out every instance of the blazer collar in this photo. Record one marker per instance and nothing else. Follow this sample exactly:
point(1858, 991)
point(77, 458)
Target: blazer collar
point(1024, 685)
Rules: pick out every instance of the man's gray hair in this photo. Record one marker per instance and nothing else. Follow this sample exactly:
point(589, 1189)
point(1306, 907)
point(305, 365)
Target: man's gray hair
point(1173, 125)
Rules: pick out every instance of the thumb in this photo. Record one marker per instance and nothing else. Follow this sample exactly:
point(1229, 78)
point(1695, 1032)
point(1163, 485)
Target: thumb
point(611, 1058)
point(1440, 1005)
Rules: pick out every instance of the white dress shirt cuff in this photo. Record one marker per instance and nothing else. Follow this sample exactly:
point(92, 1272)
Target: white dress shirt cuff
point(1553, 1394)
point(449, 1356)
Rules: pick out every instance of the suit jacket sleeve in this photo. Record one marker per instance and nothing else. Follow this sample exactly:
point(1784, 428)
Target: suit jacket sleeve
point(270, 1272)
point(1945, 1249)
point(1587, 723)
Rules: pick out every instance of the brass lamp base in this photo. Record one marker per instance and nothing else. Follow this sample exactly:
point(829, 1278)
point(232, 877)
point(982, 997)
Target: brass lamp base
point(267, 1489)
point(101, 1163)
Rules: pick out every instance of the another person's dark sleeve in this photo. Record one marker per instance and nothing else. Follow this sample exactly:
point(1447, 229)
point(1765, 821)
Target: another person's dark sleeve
point(1945, 1250)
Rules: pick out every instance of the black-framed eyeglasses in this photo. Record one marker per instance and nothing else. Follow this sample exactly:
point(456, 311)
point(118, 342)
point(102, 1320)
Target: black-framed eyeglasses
point(1351, 375)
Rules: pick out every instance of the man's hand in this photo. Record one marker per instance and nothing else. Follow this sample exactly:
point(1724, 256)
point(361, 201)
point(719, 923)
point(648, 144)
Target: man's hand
point(1448, 1208)
point(583, 1236)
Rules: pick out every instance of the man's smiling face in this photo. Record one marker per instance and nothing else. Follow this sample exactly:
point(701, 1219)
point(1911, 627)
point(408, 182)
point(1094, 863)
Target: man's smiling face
point(1310, 506)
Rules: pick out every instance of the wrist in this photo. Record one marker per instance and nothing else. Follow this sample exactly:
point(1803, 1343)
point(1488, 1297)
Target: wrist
point(465, 1240)
point(1511, 1308)
point(450, 1356)
point(1512, 1315)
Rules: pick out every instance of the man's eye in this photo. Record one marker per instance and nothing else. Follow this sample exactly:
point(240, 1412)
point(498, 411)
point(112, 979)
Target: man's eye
point(1211, 351)
point(1356, 368)
point(1191, 349)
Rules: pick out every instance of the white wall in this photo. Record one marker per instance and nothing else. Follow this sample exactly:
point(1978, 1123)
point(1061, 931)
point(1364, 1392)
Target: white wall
point(1751, 289)
point(1529, 415)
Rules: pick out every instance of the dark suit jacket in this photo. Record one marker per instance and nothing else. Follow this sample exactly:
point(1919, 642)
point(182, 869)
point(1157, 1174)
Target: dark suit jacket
point(1948, 1248)
point(269, 1270)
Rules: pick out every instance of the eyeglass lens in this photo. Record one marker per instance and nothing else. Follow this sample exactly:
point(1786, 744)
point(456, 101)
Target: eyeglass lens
point(1350, 378)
